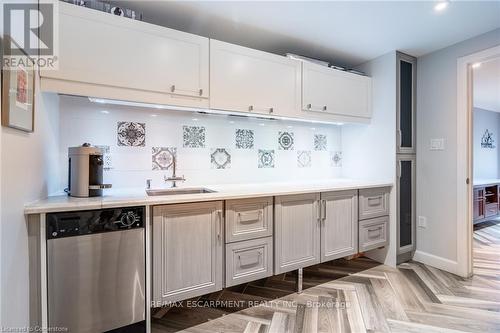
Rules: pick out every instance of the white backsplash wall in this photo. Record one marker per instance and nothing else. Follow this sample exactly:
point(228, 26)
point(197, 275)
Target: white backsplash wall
point(141, 142)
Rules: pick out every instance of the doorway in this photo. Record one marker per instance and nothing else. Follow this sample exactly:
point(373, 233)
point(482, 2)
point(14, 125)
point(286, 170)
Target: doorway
point(478, 195)
point(485, 164)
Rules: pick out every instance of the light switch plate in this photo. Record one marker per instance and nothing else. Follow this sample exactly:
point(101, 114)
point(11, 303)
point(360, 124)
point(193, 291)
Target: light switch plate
point(422, 222)
point(437, 144)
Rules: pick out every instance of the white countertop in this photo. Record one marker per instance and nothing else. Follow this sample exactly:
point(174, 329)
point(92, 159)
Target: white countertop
point(484, 182)
point(138, 197)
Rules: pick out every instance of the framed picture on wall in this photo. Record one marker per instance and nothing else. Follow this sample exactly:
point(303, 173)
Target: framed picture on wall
point(18, 90)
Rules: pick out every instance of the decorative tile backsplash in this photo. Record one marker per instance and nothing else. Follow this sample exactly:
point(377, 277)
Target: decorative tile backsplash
point(220, 158)
point(141, 144)
point(320, 142)
point(131, 134)
point(244, 139)
point(285, 140)
point(304, 158)
point(163, 157)
point(193, 136)
point(266, 158)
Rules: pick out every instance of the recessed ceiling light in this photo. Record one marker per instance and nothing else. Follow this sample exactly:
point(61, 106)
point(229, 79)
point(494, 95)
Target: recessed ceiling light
point(154, 115)
point(261, 124)
point(440, 6)
point(105, 111)
point(476, 65)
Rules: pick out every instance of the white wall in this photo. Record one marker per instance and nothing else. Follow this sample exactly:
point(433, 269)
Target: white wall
point(370, 150)
point(437, 170)
point(84, 121)
point(485, 159)
point(29, 165)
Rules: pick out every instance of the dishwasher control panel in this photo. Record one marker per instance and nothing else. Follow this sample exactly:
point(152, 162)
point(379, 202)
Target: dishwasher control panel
point(86, 222)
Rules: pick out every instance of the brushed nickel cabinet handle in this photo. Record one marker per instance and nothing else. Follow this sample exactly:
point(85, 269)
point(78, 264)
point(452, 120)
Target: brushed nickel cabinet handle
point(173, 89)
point(219, 227)
point(323, 211)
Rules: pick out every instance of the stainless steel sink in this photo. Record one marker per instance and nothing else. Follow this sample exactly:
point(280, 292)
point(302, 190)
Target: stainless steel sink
point(175, 191)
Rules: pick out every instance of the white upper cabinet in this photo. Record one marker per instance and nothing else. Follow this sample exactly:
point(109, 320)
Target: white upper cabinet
point(335, 92)
point(110, 51)
point(248, 80)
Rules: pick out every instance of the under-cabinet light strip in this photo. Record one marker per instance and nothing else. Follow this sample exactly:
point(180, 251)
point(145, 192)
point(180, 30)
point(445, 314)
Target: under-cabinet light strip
point(204, 110)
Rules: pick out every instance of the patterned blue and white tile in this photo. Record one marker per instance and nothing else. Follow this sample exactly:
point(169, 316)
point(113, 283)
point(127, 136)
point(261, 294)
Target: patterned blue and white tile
point(285, 140)
point(193, 136)
point(320, 142)
point(336, 159)
point(266, 158)
point(131, 134)
point(106, 156)
point(162, 158)
point(304, 158)
point(244, 138)
point(220, 158)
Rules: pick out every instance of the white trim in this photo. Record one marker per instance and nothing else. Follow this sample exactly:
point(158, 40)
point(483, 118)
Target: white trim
point(43, 273)
point(464, 157)
point(437, 262)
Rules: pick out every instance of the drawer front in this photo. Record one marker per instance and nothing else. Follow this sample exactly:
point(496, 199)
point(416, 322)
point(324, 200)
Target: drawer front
point(491, 210)
point(249, 260)
point(373, 233)
point(249, 219)
point(373, 202)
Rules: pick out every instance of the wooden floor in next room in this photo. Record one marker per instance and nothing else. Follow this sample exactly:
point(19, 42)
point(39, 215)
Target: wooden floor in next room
point(358, 296)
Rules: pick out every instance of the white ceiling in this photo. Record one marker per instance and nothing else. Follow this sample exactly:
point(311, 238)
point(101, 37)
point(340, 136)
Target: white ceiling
point(486, 86)
point(345, 33)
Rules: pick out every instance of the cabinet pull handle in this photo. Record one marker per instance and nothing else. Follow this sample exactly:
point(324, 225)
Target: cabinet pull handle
point(253, 108)
point(319, 108)
point(319, 211)
point(399, 138)
point(374, 229)
point(219, 227)
point(374, 201)
point(173, 89)
point(323, 209)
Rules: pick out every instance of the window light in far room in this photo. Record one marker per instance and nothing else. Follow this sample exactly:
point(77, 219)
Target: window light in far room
point(476, 65)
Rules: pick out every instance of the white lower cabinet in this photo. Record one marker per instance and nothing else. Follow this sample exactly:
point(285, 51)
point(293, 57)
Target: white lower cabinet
point(373, 233)
point(187, 250)
point(339, 228)
point(249, 260)
point(297, 232)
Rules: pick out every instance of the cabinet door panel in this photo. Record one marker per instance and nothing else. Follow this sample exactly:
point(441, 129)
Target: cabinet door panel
point(138, 55)
point(406, 97)
point(332, 91)
point(339, 233)
point(187, 250)
point(297, 229)
point(406, 204)
point(248, 80)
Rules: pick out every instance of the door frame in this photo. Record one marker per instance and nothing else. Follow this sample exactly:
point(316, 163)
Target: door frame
point(465, 157)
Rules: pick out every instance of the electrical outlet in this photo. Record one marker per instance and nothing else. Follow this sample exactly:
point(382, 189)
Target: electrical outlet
point(437, 144)
point(422, 222)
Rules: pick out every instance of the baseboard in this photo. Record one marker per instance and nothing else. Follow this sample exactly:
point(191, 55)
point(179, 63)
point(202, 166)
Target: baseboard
point(437, 262)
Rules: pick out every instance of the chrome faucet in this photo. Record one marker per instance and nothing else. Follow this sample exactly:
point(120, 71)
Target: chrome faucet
point(174, 179)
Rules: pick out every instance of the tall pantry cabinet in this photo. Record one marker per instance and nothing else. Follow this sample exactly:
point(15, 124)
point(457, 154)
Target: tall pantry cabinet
point(406, 155)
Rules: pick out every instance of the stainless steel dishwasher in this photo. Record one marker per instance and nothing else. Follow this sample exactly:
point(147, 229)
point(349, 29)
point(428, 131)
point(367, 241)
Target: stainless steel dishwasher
point(96, 270)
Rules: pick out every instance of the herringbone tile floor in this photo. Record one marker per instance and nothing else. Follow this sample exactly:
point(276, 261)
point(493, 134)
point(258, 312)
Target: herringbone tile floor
point(410, 298)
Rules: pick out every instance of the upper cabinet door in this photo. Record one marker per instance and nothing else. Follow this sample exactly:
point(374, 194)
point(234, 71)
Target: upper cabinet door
point(406, 97)
point(103, 49)
point(248, 80)
point(337, 92)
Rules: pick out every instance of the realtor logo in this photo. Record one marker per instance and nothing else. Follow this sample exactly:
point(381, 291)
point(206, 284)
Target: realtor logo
point(30, 30)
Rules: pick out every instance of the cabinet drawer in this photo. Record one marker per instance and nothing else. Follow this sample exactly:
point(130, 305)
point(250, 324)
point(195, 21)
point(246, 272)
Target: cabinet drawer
point(249, 260)
point(373, 202)
point(373, 233)
point(491, 209)
point(249, 219)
